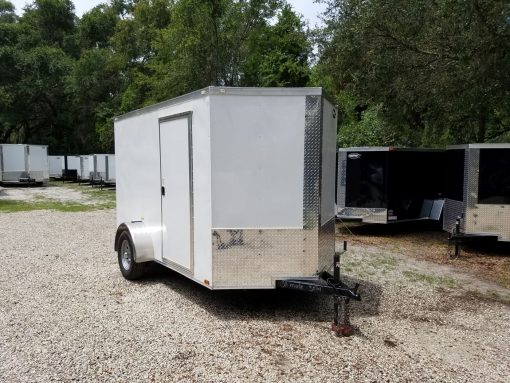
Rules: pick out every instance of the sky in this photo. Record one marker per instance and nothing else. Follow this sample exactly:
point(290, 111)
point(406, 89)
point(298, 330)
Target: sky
point(308, 8)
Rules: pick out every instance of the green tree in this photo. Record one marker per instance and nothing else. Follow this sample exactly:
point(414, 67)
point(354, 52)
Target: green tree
point(36, 66)
point(441, 69)
point(278, 55)
point(7, 12)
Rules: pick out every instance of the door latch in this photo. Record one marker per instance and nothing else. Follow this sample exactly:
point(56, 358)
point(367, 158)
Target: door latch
point(162, 190)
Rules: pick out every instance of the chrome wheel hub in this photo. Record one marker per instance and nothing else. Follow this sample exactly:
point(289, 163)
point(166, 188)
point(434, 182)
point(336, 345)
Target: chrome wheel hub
point(126, 255)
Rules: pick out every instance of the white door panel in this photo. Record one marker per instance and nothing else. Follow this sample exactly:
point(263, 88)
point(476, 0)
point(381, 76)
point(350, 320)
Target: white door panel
point(176, 204)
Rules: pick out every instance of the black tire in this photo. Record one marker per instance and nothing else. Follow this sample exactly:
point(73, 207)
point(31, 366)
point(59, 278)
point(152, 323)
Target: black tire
point(126, 257)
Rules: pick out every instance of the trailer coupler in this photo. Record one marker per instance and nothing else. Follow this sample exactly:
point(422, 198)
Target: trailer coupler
point(327, 284)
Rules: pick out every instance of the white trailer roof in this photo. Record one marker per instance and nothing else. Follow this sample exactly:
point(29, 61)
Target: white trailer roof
point(241, 91)
point(481, 146)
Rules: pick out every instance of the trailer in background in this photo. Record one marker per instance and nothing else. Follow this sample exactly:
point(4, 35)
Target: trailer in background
point(478, 191)
point(110, 169)
point(102, 168)
point(84, 168)
point(387, 184)
point(55, 166)
point(24, 164)
point(71, 168)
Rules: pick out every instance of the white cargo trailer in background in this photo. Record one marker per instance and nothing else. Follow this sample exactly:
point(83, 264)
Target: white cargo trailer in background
point(110, 169)
point(231, 187)
point(84, 168)
point(55, 166)
point(21, 163)
point(71, 168)
point(102, 168)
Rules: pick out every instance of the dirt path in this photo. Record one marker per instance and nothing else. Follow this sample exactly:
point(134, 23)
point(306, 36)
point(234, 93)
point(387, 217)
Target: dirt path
point(483, 263)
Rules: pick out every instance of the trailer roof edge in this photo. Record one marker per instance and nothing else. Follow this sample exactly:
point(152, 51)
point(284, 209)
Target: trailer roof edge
point(481, 146)
point(388, 149)
point(221, 90)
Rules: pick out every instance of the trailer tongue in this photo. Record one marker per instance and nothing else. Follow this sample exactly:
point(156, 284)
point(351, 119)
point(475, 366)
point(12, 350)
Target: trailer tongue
point(327, 284)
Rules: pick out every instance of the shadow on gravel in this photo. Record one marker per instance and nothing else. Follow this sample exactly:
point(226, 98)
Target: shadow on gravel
point(284, 305)
point(487, 246)
point(424, 229)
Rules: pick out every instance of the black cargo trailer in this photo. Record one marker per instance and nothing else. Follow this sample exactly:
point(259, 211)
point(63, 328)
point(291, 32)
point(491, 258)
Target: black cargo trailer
point(387, 184)
point(477, 193)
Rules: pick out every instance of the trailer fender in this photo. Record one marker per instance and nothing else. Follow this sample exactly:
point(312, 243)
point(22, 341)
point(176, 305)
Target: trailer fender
point(141, 239)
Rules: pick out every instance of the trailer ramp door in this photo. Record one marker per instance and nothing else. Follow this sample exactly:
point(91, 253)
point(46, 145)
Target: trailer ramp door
point(176, 191)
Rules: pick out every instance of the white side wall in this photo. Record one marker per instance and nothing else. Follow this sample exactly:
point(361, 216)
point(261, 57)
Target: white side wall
point(55, 166)
point(91, 163)
point(111, 167)
point(38, 161)
point(73, 163)
point(257, 161)
point(14, 158)
point(101, 163)
point(138, 176)
point(84, 167)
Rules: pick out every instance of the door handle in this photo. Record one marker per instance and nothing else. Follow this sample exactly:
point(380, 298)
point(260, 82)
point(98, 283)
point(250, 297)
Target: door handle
point(162, 190)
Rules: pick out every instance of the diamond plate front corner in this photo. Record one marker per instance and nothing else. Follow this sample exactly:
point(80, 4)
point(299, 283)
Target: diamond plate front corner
point(253, 258)
point(312, 165)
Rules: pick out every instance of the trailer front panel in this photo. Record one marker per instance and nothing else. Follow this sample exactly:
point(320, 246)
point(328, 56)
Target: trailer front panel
point(478, 191)
point(14, 162)
point(38, 167)
point(84, 168)
point(110, 168)
point(385, 184)
point(55, 166)
point(24, 163)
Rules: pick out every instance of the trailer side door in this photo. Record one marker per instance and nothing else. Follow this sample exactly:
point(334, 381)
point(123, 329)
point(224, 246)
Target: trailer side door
point(176, 191)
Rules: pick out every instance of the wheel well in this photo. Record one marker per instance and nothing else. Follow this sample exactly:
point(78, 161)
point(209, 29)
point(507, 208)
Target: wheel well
point(141, 240)
point(120, 229)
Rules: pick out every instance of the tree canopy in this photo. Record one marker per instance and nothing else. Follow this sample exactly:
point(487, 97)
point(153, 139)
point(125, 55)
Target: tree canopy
point(420, 73)
point(435, 72)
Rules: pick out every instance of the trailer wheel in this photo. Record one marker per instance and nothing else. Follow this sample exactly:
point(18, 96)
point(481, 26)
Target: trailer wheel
point(126, 254)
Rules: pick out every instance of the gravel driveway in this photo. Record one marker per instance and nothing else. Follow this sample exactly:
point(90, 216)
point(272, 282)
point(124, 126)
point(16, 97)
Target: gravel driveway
point(67, 314)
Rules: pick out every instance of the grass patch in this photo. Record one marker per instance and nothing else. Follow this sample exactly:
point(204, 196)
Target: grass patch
point(96, 200)
point(369, 266)
point(434, 280)
point(503, 280)
point(103, 196)
point(12, 206)
point(385, 262)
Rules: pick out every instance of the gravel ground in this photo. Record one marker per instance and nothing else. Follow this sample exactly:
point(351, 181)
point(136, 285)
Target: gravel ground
point(68, 315)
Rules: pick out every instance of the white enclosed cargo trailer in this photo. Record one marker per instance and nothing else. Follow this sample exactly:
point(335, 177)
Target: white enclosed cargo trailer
point(84, 168)
point(231, 187)
point(110, 169)
point(71, 167)
point(102, 168)
point(24, 163)
point(55, 166)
